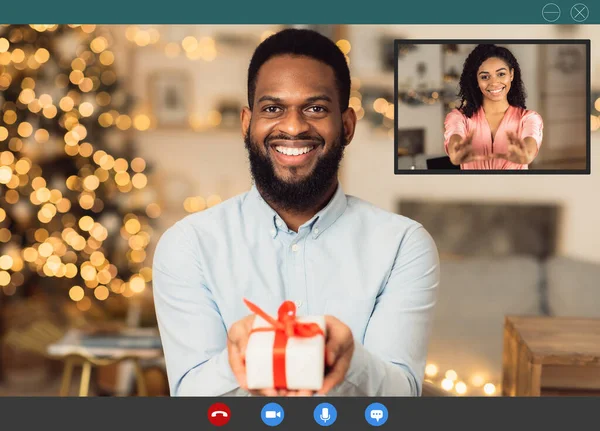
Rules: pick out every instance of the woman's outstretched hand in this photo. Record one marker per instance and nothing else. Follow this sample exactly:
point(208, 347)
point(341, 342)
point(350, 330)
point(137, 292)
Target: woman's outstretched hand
point(462, 151)
point(519, 150)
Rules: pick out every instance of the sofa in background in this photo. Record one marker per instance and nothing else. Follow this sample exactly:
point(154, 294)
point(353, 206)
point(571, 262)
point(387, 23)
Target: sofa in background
point(475, 294)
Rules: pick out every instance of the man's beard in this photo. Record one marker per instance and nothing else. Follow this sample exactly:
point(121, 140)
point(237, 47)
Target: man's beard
point(294, 195)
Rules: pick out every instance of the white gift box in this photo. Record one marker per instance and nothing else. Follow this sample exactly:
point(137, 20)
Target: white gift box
point(304, 358)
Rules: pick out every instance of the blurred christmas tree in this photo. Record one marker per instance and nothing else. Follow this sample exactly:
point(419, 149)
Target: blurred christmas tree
point(75, 207)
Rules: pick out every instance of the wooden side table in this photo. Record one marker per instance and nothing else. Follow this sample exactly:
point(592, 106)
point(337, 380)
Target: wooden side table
point(550, 356)
point(78, 348)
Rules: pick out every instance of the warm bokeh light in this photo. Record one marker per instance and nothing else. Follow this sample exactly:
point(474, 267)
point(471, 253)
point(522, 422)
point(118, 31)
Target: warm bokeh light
point(189, 43)
point(5, 174)
point(380, 105)
point(451, 375)
point(431, 370)
point(489, 389)
point(123, 122)
point(86, 223)
point(132, 226)
point(5, 235)
point(594, 123)
point(27, 96)
point(103, 98)
point(18, 55)
point(146, 273)
point(88, 272)
point(447, 384)
point(141, 122)
point(107, 58)
point(4, 44)
point(7, 158)
point(122, 178)
point(139, 181)
point(41, 136)
point(153, 210)
point(86, 149)
point(105, 119)
point(4, 278)
point(121, 165)
point(11, 196)
point(477, 380)
point(344, 46)
point(71, 270)
point(101, 292)
point(99, 44)
point(6, 262)
point(10, 117)
point(194, 204)
point(22, 166)
point(85, 304)
point(91, 182)
point(97, 258)
point(460, 388)
point(86, 201)
point(86, 109)
point(138, 164)
point(137, 284)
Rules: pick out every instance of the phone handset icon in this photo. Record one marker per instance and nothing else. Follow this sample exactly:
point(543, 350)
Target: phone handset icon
point(219, 412)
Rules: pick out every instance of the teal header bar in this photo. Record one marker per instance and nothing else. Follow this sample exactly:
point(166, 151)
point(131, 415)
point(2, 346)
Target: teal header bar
point(300, 12)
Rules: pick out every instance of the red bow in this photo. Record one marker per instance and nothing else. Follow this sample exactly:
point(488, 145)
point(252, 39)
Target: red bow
point(285, 326)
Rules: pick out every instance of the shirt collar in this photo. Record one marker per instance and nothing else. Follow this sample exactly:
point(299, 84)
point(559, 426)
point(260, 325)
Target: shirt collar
point(319, 222)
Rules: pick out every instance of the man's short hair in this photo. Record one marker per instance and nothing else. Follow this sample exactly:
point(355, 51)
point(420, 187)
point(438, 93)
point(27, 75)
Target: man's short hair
point(301, 42)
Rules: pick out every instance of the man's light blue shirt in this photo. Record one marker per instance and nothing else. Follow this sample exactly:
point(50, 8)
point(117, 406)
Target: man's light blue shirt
point(376, 271)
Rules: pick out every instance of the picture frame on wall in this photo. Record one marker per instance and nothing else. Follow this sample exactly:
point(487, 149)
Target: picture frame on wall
point(171, 98)
point(411, 142)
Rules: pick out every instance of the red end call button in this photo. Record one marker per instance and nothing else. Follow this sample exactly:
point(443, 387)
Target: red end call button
point(219, 414)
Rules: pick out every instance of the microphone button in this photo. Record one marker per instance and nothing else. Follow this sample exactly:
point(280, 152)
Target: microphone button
point(325, 414)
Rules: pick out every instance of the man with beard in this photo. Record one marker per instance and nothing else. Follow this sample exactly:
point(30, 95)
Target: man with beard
point(295, 235)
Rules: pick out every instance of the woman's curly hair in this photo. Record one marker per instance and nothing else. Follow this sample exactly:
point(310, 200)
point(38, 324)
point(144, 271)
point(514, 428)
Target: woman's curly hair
point(470, 94)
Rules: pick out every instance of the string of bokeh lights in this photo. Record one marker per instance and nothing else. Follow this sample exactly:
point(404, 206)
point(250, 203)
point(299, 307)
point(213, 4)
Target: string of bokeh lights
point(450, 382)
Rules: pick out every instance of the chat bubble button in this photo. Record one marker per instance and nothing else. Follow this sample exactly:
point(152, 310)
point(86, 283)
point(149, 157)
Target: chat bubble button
point(376, 414)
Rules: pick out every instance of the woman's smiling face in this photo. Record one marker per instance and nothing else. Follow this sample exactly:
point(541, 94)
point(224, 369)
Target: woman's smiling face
point(494, 78)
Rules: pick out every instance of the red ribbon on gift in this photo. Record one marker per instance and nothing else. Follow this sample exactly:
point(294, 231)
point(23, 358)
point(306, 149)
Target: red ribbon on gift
point(285, 326)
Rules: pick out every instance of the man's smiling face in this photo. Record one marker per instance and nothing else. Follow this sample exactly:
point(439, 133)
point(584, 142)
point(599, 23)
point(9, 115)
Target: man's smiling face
point(296, 133)
point(296, 116)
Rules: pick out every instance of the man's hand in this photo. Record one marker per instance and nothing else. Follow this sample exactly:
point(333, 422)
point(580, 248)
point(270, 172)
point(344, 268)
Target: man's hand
point(339, 348)
point(521, 151)
point(237, 340)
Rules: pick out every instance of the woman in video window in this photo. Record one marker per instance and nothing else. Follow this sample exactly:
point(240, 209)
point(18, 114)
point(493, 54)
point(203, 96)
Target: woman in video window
point(492, 129)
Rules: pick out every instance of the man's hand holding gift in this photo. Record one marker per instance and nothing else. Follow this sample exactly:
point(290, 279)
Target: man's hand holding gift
point(289, 356)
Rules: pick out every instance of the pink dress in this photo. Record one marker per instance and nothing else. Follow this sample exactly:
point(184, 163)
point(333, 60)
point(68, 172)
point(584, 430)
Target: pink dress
point(525, 123)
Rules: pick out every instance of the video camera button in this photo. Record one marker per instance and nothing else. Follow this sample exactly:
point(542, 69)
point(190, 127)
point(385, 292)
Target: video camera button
point(272, 414)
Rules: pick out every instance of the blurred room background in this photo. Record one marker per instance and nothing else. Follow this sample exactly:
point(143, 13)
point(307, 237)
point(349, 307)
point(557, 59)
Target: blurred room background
point(110, 134)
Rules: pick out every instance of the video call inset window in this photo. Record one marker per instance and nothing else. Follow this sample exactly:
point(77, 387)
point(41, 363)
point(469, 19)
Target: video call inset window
point(492, 106)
